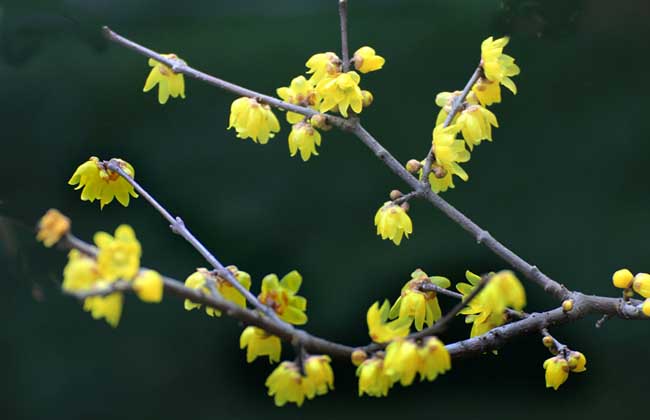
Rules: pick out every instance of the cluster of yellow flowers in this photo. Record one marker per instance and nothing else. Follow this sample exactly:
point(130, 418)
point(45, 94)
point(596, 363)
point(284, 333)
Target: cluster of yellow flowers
point(558, 367)
point(328, 88)
point(473, 120)
point(288, 383)
point(100, 183)
point(639, 283)
point(403, 357)
point(401, 361)
point(488, 310)
point(118, 258)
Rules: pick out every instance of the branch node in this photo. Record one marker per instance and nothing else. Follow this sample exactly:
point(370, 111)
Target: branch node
point(482, 236)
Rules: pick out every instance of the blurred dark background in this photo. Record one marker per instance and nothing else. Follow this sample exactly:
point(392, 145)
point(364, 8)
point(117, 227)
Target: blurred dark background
point(564, 184)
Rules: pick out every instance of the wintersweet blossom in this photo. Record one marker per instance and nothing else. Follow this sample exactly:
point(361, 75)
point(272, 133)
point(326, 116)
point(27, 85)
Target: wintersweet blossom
point(323, 65)
point(559, 366)
point(449, 152)
point(80, 273)
point(305, 138)
point(52, 227)
point(280, 295)
point(300, 92)
point(404, 359)
point(498, 67)
point(623, 278)
point(487, 310)
point(341, 92)
point(119, 255)
point(199, 281)
point(413, 303)
point(487, 92)
point(373, 379)
point(557, 371)
point(382, 331)
point(169, 83)
point(148, 286)
point(366, 60)
point(100, 183)
point(319, 377)
point(393, 222)
point(641, 284)
point(108, 307)
point(258, 342)
point(253, 120)
point(286, 384)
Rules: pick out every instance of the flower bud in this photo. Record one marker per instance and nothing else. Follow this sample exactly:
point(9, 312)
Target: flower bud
point(641, 284)
point(366, 98)
point(622, 278)
point(577, 361)
point(320, 121)
point(548, 341)
point(413, 166)
point(395, 194)
point(567, 305)
point(358, 357)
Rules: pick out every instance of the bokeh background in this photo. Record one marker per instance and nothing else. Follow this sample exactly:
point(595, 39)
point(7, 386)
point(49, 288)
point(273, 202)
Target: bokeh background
point(564, 184)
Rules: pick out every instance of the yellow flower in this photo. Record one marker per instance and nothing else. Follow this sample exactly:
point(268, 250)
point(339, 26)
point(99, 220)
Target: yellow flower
point(101, 184)
point(434, 358)
point(148, 285)
point(52, 227)
point(300, 92)
point(198, 281)
point(476, 123)
point(623, 278)
point(253, 120)
point(107, 307)
point(393, 222)
point(365, 60)
point(498, 67)
point(286, 384)
point(487, 92)
point(379, 329)
point(169, 83)
point(373, 380)
point(402, 361)
point(305, 138)
point(341, 92)
point(415, 304)
point(80, 273)
point(641, 284)
point(323, 65)
point(260, 343)
point(486, 311)
point(445, 100)
point(319, 377)
point(577, 362)
point(281, 297)
point(449, 151)
point(119, 256)
point(557, 371)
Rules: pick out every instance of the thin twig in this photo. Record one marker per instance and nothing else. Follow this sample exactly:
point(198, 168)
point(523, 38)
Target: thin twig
point(407, 197)
point(457, 104)
point(557, 346)
point(178, 226)
point(345, 52)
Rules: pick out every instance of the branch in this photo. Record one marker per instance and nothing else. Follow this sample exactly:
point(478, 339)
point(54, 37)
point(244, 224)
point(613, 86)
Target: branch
point(179, 66)
point(283, 330)
point(178, 226)
point(345, 53)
